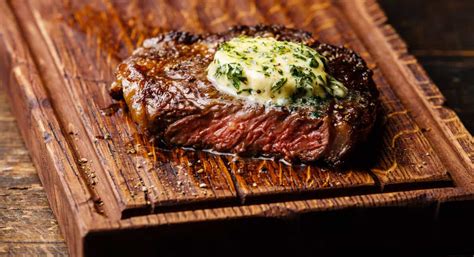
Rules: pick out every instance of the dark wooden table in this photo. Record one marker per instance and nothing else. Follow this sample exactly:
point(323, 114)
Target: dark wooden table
point(438, 32)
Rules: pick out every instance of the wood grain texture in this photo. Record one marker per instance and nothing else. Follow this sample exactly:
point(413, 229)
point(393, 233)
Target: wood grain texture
point(110, 179)
point(136, 181)
point(140, 176)
point(259, 181)
point(424, 91)
point(27, 224)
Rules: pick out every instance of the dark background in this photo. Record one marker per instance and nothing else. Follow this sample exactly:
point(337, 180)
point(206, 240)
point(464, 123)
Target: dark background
point(440, 33)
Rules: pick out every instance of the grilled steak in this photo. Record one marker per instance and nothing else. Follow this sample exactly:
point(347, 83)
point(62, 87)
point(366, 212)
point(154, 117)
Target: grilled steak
point(165, 87)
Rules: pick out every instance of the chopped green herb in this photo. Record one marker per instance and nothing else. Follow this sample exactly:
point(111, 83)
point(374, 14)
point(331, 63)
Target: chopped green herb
point(299, 56)
point(225, 46)
point(279, 84)
point(315, 115)
point(265, 70)
point(304, 77)
point(337, 88)
point(321, 80)
point(281, 49)
point(248, 90)
point(233, 72)
point(314, 63)
point(325, 63)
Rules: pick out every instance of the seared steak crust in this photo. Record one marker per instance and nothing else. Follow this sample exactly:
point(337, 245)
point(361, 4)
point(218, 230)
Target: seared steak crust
point(166, 90)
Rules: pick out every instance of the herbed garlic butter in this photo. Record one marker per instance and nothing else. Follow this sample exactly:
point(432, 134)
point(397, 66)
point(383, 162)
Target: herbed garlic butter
point(269, 71)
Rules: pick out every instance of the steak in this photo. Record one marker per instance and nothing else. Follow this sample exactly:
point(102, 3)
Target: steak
point(168, 95)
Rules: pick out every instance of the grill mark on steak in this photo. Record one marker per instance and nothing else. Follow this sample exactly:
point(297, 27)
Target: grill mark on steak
point(165, 87)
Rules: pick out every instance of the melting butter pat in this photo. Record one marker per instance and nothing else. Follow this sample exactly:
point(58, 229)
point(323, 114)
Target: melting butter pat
point(269, 71)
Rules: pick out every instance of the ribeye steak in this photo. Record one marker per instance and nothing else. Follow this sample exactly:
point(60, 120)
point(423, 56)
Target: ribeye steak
point(165, 87)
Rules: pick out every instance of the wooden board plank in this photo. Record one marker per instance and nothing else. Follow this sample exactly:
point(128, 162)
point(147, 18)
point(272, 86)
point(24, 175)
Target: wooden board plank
point(401, 159)
point(267, 180)
point(141, 190)
point(401, 169)
point(42, 133)
point(387, 46)
point(123, 160)
point(122, 178)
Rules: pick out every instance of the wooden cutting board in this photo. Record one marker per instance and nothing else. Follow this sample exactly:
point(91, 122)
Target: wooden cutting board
point(116, 194)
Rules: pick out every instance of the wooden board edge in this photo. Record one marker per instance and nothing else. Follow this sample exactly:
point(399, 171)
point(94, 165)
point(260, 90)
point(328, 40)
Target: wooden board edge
point(42, 135)
point(267, 210)
point(424, 83)
point(375, 20)
point(394, 61)
point(283, 209)
point(139, 191)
